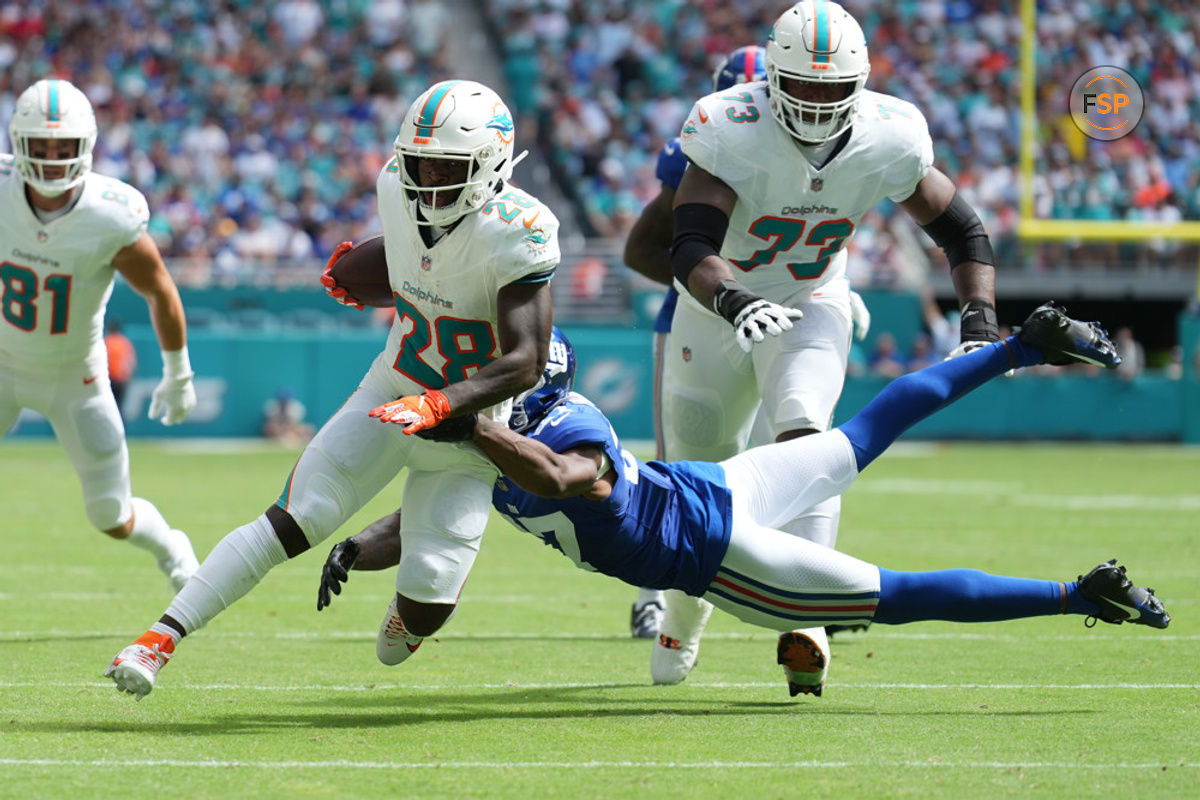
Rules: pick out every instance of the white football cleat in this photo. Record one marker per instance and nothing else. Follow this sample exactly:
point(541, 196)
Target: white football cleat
point(135, 668)
point(394, 644)
point(181, 563)
point(804, 656)
point(674, 654)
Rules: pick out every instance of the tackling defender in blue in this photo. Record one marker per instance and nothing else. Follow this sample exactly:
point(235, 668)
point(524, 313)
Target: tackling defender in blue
point(706, 529)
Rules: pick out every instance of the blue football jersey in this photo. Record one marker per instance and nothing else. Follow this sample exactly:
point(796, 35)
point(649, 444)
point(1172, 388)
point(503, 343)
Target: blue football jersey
point(665, 526)
point(669, 171)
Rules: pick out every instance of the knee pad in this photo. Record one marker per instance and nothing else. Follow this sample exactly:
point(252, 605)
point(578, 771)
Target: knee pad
point(100, 434)
point(430, 577)
point(107, 513)
point(697, 419)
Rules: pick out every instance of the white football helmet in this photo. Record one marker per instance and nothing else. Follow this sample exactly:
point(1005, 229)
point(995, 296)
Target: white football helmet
point(52, 109)
point(817, 41)
point(460, 121)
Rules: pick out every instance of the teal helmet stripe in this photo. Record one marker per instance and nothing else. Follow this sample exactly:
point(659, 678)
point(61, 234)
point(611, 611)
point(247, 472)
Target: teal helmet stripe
point(52, 112)
point(821, 32)
point(430, 109)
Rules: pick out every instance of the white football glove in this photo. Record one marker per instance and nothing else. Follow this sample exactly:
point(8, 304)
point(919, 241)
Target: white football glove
point(859, 315)
point(760, 316)
point(175, 396)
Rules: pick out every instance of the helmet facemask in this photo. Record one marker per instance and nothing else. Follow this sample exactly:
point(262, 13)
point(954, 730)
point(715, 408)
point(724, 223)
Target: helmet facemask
point(68, 172)
point(444, 204)
point(809, 121)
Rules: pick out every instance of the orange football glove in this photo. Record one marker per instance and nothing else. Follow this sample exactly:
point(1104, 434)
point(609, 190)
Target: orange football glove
point(331, 288)
point(416, 411)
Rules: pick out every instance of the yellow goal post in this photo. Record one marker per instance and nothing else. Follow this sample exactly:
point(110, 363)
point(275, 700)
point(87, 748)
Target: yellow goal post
point(1032, 229)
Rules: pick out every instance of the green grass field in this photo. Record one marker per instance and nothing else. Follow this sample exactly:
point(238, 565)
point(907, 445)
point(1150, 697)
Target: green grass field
point(535, 690)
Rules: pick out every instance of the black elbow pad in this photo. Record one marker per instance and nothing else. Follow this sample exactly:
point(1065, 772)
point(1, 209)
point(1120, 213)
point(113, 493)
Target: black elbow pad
point(959, 232)
point(699, 233)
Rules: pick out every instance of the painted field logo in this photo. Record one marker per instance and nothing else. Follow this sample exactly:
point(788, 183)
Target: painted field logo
point(1106, 103)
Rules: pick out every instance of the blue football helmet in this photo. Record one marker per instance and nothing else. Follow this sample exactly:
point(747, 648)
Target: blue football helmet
point(552, 388)
point(744, 65)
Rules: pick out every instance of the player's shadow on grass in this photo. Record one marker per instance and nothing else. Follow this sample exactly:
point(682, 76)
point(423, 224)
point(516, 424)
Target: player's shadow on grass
point(68, 636)
point(394, 707)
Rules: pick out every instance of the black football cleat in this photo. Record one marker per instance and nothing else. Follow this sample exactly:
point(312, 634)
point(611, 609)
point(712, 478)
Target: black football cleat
point(1064, 340)
point(1119, 600)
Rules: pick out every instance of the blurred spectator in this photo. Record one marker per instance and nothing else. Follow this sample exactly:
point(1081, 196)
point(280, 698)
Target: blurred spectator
point(1133, 355)
point(587, 279)
point(615, 80)
point(274, 118)
point(886, 360)
point(922, 354)
point(285, 110)
point(283, 420)
point(122, 360)
point(943, 328)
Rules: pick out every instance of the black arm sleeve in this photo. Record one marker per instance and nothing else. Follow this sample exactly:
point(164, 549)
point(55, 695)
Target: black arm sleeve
point(699, 233)
point(959, 232)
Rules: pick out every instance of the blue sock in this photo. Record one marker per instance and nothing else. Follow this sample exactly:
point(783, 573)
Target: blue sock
point(911, 398)
point(968, 595)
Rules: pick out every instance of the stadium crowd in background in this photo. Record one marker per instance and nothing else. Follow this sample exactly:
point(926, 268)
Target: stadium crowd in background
point(255, 130)
point(608, 81)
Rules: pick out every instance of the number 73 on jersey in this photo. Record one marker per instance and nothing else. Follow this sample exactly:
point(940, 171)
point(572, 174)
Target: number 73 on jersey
point(782, 233)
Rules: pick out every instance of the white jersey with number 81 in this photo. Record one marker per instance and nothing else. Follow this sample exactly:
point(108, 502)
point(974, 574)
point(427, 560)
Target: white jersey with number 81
point(56, 276)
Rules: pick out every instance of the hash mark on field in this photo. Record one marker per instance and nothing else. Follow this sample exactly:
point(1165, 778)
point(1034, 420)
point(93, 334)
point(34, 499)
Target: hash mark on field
point(409, 765)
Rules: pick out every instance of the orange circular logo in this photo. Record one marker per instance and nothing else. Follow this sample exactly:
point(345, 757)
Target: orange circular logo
point(1106, 103)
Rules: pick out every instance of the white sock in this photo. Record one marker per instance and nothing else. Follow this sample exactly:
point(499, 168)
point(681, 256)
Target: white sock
point(233, 568)
point(175, 635)
point(650, 596)
point(150, 531)
point(685, 616)
point(818, 524)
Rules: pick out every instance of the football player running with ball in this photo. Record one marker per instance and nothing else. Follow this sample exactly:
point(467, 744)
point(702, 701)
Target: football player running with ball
point(780, 173)
point(65, 232)
point(469, 258)
point(710, 530)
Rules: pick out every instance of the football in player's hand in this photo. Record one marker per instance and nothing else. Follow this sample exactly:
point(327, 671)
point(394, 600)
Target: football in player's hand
point(363, 272)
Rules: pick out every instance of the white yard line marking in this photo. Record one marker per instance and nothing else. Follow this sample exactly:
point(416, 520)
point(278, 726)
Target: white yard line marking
point(375, 687)
point(750, 636)
point(1013, 493)
point(507, 765)
point(1145, 638)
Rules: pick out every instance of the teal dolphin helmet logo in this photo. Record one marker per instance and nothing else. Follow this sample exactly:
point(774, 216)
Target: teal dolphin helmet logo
point(502, 123)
